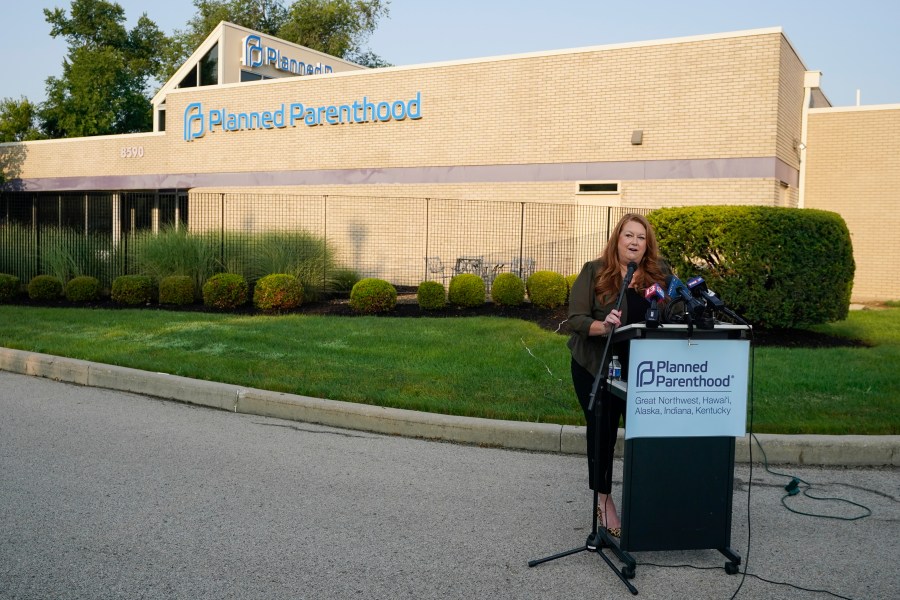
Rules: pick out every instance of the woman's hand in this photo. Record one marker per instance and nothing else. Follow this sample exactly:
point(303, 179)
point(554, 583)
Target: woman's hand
point(612, 320)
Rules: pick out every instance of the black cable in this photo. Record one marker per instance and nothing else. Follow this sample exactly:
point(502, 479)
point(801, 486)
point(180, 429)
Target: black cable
point(746, 574)
point(793, 489)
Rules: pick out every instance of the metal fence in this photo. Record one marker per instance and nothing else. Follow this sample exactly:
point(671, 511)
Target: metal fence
point(402, 240)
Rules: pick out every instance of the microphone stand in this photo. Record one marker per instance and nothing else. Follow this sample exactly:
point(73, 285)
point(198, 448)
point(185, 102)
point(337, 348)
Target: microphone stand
point(597, 539)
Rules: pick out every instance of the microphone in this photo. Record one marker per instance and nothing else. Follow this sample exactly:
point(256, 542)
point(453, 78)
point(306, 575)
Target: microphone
point(626, 281)
point(654, 293)
point(698, 288)
point(629, 273)
point(677, 289)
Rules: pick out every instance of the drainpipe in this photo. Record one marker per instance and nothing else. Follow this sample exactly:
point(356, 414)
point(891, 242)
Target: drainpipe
point(811, 80)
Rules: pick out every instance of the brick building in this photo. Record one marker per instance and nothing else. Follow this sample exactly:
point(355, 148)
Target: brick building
point(734, 118)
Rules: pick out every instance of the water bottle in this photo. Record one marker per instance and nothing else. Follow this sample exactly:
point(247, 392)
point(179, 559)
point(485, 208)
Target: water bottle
point(615, 369)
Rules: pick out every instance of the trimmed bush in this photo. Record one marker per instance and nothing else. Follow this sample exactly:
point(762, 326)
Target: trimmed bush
point(177, 289)
point(9, 287)
point(277, 292)
point(83, 289)
point(132, 290)
point(547, 289)
point(466, 289)
point(372, 295)
point(777, 267)
point(431, 295)
point(44, 287)
point(226, 291)
point(508, 290)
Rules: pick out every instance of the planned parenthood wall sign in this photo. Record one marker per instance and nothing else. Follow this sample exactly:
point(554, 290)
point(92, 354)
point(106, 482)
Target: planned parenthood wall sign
point(681, 388)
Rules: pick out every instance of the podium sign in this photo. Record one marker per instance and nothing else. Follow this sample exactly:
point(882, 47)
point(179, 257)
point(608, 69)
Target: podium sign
point(687, 388)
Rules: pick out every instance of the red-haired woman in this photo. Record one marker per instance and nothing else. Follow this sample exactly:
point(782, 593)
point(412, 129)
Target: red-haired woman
point(592, 316)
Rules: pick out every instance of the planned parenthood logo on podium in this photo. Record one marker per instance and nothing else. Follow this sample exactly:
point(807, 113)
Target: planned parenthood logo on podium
point(682, 389)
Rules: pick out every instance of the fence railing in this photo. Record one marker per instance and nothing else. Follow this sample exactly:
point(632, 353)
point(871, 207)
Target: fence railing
point(402, 240)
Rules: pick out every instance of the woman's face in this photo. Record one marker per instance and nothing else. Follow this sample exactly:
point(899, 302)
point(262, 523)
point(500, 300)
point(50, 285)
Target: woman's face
point(632, 243)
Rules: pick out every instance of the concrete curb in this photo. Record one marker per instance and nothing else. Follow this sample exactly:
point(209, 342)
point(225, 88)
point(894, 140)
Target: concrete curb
point(848, 450)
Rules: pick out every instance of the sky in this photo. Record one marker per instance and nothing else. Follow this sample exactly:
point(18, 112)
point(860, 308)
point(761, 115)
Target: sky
point(854, 44)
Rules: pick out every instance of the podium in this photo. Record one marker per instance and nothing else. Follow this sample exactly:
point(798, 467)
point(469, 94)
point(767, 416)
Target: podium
point(686, 397)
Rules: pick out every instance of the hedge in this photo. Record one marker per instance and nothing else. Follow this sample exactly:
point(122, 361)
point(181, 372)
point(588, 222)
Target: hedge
point(777, 267)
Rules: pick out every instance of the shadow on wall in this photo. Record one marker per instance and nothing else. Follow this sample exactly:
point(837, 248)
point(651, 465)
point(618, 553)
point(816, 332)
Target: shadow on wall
point(12, 157)
point(358, 232)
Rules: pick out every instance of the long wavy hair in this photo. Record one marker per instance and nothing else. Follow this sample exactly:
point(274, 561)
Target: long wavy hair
point(610, 276)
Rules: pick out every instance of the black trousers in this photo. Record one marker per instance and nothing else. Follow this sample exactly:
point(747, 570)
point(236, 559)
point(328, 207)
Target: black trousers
point(611, 410)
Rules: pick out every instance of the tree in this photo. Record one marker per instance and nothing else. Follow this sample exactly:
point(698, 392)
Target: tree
point(336, 27)
point(18, 119)
point(104, 86)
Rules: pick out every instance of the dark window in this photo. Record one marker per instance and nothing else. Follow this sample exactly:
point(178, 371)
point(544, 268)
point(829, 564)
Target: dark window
point(209, 67)
point(162, 120)
point(72, 211)
point(100, 214)
point(248, 76)
point(190, 80)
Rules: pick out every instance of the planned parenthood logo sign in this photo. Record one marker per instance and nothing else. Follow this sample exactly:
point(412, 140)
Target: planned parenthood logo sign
point(682, 389)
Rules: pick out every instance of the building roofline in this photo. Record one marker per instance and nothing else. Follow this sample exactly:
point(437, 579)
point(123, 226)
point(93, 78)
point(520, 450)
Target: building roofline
point(214, 37)
point(867, 107)
point(504, 57)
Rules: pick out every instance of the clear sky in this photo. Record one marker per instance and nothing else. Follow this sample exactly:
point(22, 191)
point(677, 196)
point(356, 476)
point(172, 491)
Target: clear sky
point(856, 44)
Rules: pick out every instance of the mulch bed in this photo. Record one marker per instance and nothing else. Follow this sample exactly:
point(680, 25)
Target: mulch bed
point(549, 319)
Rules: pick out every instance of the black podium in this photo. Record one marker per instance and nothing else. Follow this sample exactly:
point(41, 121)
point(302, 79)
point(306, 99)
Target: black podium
point(678, 485)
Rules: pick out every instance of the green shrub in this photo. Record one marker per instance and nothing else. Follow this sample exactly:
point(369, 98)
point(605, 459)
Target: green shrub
point(132, 290)
point(83, 289)
point(177, 289)
point(225, 290)
point(777, 267)
point(44, 287)
point(277, 292)
point(9, 287)
point(431, 295)
point(466, 289)
point(372, 296)
point(547, 289)
point(508, 289)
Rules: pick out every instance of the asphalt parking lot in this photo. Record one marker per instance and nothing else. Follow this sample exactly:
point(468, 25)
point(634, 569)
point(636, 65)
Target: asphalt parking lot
point(108, 494)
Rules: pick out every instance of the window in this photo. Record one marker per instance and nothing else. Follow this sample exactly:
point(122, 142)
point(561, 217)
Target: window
point(190, 80)
point(605, 187)
point(209, 67)
point(251, 76)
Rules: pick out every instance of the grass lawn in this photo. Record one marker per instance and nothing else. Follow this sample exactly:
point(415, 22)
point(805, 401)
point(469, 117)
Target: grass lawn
point(475, 366)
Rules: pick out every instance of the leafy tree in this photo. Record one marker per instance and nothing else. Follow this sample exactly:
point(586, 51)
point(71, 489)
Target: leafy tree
point(104, 86)
point(18, 119)
point(336, 27)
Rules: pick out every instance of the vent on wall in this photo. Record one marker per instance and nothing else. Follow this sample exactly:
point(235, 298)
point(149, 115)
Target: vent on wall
point(598, 188)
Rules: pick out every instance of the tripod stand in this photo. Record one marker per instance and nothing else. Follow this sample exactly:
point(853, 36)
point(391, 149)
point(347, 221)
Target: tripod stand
point(599, 537)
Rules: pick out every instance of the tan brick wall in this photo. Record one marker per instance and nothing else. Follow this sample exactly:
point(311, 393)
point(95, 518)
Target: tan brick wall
point(633, 194)
point(714, 98)
point(790, 104)
point(853, 168)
